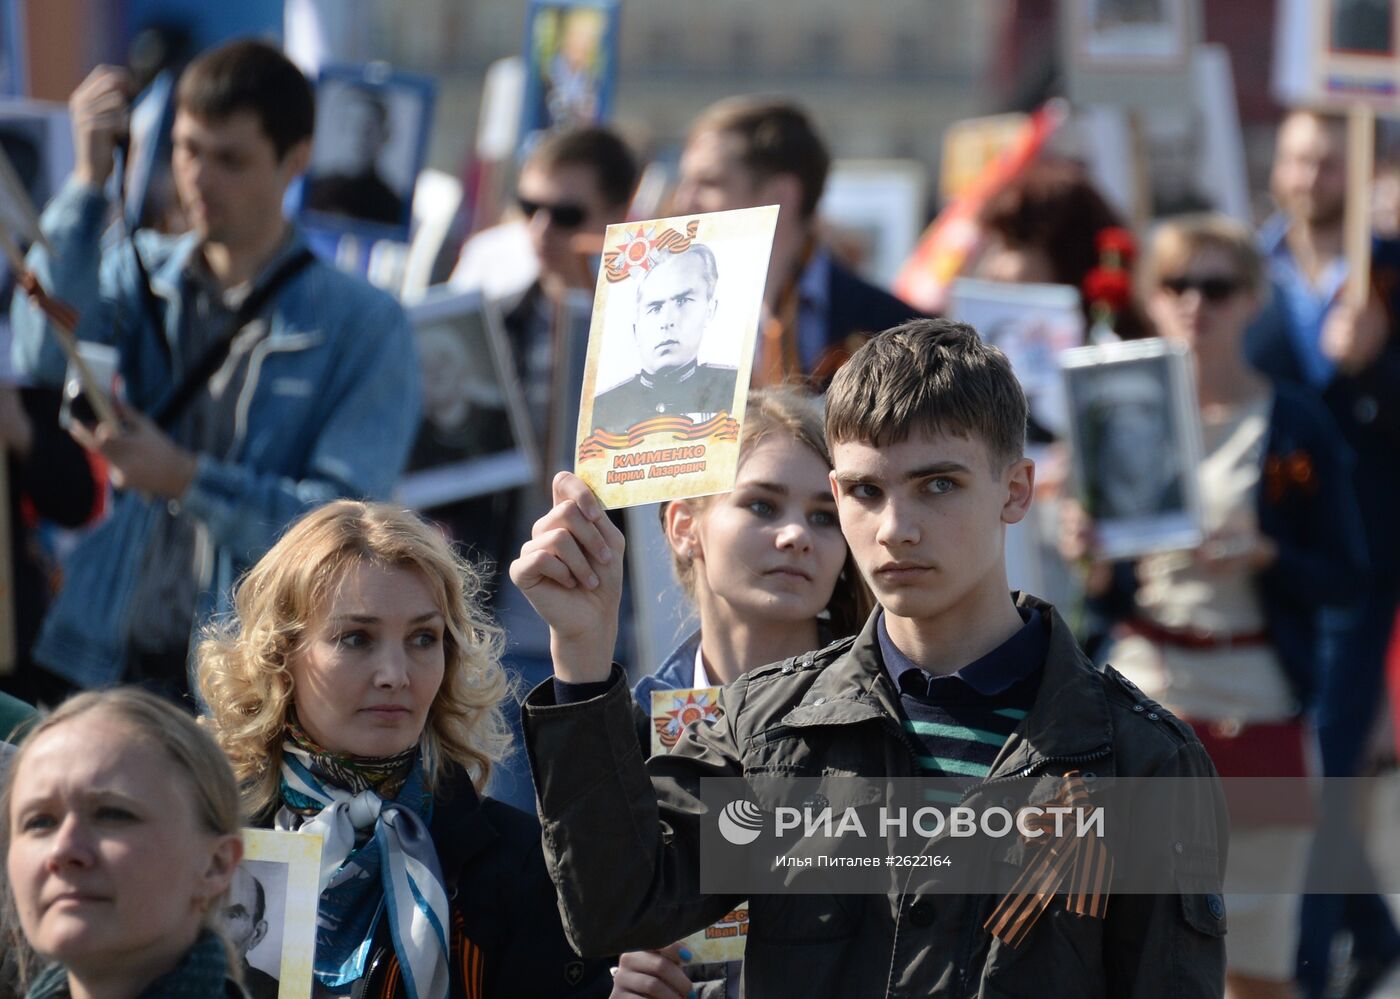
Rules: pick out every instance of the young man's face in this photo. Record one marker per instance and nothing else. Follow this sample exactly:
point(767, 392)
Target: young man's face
point(674, 306)
point(925, 519)
point(567, 202)
point(228, 175)
point(713, 177)
point(1309, 174)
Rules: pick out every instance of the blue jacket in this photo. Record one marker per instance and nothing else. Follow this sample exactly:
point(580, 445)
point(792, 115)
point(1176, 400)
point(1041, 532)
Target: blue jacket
point(676, 672)
point(328, 410)
point(1306, 505)
point(1365, 407)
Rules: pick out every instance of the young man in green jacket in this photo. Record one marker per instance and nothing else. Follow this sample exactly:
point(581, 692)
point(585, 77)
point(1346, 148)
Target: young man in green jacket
point(954, 681)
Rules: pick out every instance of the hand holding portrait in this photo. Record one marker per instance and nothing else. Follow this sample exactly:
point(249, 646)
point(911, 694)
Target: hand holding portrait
point(571, 572)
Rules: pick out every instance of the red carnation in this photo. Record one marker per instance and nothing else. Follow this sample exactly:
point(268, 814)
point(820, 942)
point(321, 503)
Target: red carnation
point(1109, 287)
point(1115, 239)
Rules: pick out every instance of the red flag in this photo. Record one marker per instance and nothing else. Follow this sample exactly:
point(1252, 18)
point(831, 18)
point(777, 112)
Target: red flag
point(952, 236)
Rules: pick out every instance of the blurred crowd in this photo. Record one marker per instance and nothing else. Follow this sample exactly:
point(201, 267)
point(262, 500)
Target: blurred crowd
point(224, 546)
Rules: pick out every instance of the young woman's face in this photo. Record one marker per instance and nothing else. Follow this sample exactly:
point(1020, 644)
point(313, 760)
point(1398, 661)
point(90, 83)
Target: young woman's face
point(772, 549)
point(372, 663)
point(109, 863)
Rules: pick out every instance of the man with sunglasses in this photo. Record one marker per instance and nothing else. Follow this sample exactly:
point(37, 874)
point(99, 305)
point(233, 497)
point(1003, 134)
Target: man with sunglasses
point(1311, 335)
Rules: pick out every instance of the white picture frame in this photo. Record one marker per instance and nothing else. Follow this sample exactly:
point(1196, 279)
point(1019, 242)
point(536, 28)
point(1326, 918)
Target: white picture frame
point(474, 437)
point(270, 912)
point(1135, 439)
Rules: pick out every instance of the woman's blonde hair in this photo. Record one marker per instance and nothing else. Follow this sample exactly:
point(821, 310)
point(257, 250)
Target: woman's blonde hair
point(792, 413)
point(1177, 240)
point(245, 662)
point(197, 759)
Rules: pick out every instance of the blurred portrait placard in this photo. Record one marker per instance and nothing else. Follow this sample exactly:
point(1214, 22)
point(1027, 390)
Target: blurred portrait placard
point(1356, 59)
point(570, 65)
point(1136, 440)
point(372, 126)
point(474, 437)
point(670, 350)
point(671, 712)
point(1123, 33)
point(270, 913)
point(1033, 324)
point(37, 143)
point(872, 212)
point(1133, 53)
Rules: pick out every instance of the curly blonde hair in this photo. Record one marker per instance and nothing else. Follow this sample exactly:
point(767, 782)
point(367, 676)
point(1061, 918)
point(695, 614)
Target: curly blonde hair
point(244, 661)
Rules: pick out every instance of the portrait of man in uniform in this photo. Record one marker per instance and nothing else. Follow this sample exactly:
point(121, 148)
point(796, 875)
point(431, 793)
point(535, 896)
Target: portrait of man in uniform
point(676, 303)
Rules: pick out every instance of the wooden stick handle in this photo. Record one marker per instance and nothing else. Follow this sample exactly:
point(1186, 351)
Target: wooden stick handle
point(1361, 134)
point(64, 331)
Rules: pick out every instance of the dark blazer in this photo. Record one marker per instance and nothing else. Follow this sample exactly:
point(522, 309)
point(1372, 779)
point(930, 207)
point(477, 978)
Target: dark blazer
point(856, 310)
point(1364, 407)
point(1307, 507)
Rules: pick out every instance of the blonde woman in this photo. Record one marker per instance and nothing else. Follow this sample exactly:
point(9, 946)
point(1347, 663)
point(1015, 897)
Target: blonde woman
point(357, 692)
point(119, 826)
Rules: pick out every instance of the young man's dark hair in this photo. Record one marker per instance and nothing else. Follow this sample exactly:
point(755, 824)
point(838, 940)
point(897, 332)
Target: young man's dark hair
point(251, 76)
point(596, 149)
point(777, 137)
point(930, 376)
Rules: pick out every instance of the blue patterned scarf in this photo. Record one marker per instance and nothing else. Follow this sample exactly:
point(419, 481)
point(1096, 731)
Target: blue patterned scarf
point(378, 858)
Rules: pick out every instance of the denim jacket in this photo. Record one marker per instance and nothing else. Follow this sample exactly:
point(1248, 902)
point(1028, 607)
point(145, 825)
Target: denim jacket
point(328, 410)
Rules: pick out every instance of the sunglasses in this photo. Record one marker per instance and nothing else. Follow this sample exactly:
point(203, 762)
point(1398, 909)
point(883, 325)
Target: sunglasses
point(1213, 289)
point(565, 216)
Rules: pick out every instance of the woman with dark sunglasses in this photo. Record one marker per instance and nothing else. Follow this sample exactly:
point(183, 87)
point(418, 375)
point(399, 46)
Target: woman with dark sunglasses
point(1227, 636)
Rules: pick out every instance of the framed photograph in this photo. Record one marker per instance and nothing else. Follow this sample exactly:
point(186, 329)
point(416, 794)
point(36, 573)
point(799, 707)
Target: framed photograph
point(1129, 53)
point(37, 142)
point(1135, 435)
point(270, 914)
point(372, 126)
point(1033, 324)
point(670, 350)
point(1356, 57)
point(474, 437)
point(1193, 150)
point(570, 65)
point(1127, 34)
point(873, 211)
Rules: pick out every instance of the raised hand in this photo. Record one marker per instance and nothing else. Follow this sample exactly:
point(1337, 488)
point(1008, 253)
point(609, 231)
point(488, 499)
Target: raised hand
point(99, 109)
point(571, 572)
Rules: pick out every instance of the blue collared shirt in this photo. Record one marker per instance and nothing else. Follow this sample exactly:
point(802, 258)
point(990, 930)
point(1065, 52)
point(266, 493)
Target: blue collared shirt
point(1010, 662)
point(1304, 304)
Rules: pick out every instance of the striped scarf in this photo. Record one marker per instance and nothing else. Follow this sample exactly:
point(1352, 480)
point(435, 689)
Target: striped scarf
point(378, 859)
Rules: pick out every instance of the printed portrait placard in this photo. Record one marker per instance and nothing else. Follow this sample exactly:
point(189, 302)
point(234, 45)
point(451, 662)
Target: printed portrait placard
point(670, 351)
point(671, 712)
point(270, 912)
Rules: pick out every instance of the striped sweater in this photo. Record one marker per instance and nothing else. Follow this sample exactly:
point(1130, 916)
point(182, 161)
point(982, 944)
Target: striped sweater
point(960, 721)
